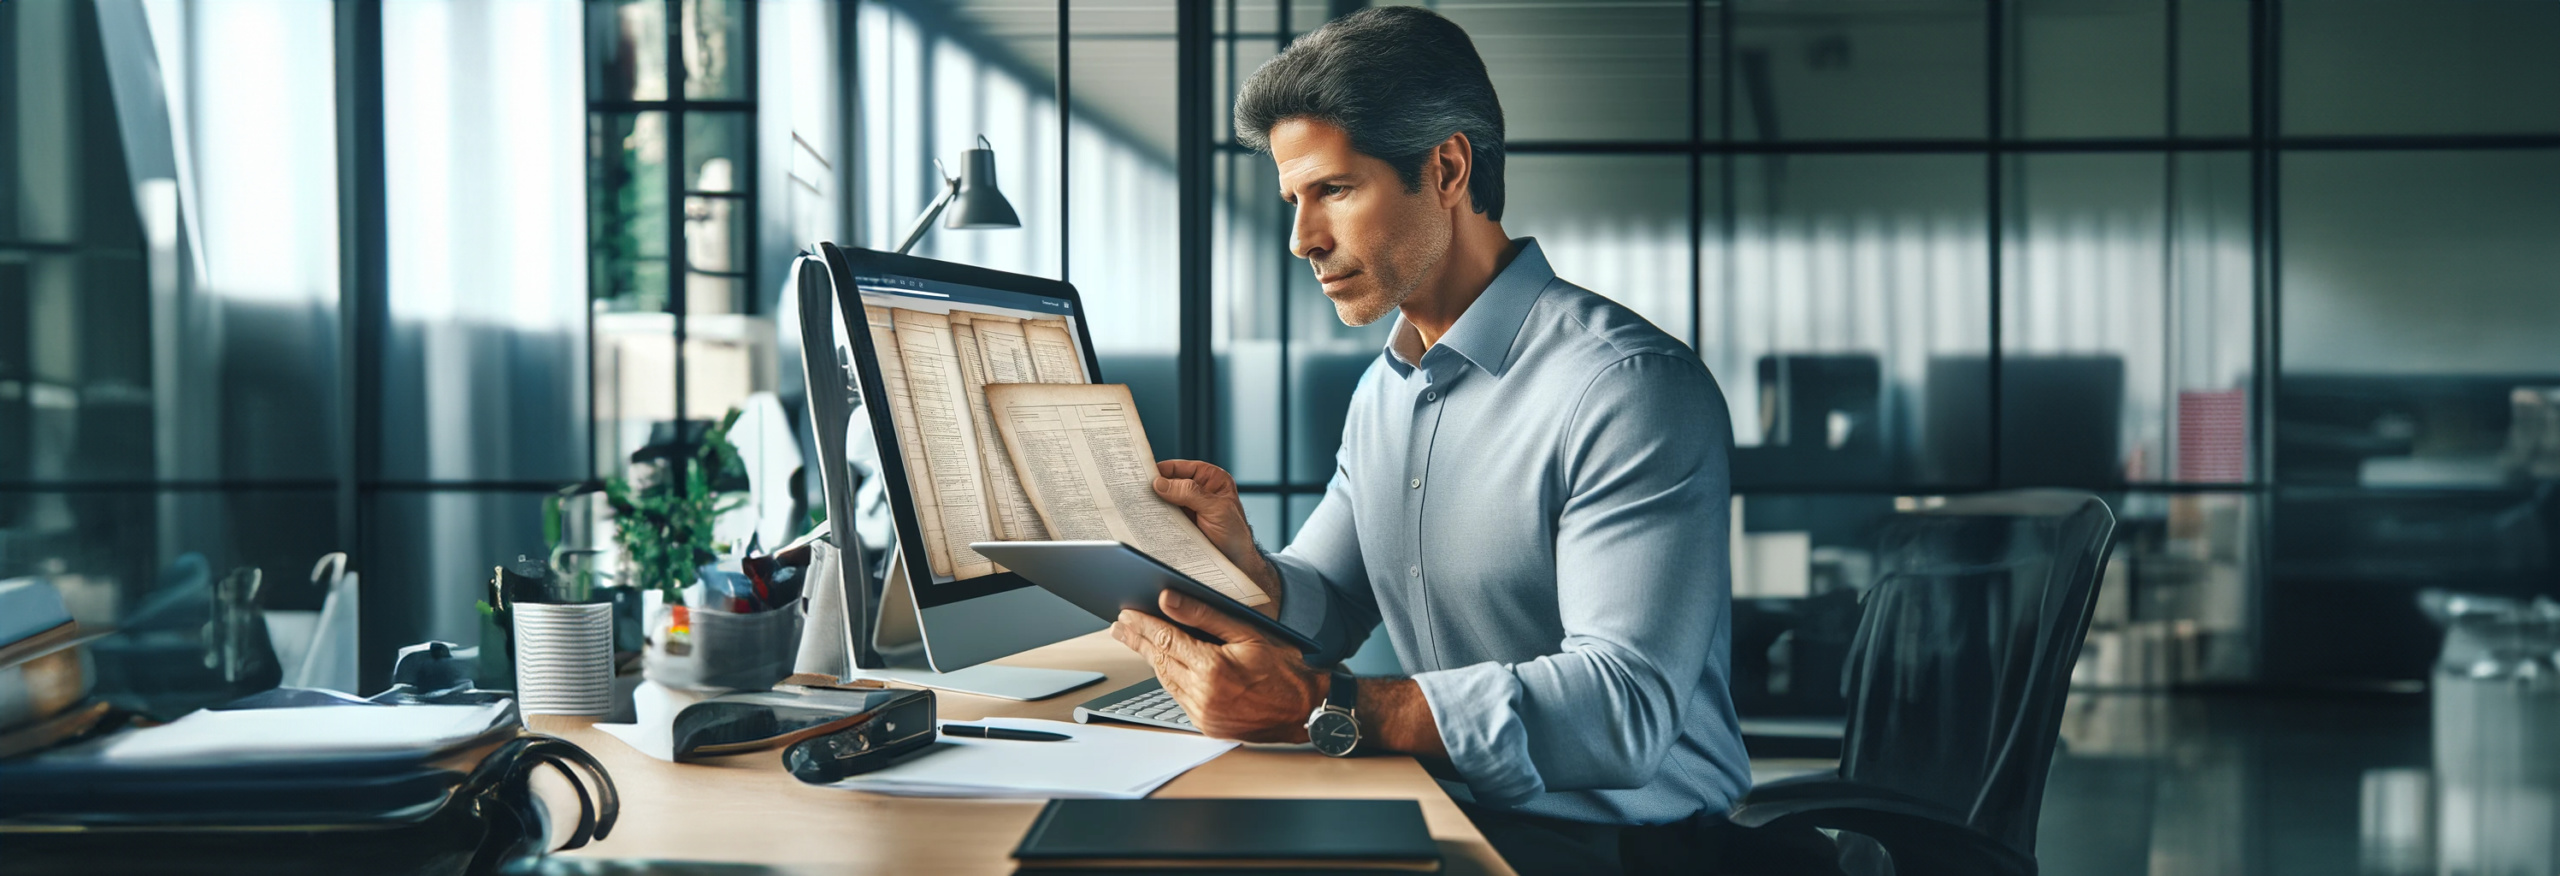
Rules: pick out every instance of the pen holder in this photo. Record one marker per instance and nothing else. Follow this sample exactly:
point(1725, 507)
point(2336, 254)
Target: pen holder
point(564, 658)
point(731, 651)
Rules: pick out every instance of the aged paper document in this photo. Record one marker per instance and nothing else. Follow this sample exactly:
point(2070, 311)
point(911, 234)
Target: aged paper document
point(902, 415)
point(1006, 351)
point(1053, 351)
point(1084, 459)
point(1008, 507)
point(939, 394)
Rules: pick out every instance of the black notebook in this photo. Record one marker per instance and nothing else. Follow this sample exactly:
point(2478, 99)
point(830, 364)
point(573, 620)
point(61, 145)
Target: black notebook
point(1244, 834)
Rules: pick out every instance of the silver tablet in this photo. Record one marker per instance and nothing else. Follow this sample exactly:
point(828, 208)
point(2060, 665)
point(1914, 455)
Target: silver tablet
point(1104, 577)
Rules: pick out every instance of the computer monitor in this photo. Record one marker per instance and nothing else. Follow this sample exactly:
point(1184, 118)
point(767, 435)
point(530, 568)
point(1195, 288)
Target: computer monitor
point(937, 619)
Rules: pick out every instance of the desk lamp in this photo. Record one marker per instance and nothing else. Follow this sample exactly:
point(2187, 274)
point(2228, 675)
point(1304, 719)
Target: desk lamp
point(981, 206)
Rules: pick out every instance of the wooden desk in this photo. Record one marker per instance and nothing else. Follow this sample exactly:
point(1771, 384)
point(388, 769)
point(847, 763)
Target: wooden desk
point(747, 809)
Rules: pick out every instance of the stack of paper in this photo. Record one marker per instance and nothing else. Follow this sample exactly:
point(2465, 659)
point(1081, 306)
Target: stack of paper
point(1106, 762)
point(303, 734)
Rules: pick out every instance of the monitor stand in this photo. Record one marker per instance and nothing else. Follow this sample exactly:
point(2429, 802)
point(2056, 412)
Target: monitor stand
point(900, 643)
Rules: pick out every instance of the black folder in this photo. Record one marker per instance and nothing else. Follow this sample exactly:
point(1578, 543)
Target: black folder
point(1177, 833)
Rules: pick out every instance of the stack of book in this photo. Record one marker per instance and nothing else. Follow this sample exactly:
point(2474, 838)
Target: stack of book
point(45, 677)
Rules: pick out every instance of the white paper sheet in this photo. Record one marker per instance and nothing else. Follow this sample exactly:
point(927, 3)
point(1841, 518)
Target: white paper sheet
point(1105, 762)
point(653, 729)
point(255, 734)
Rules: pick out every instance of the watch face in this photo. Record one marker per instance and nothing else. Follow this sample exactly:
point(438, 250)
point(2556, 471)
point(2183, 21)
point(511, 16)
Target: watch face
point(1334, 733)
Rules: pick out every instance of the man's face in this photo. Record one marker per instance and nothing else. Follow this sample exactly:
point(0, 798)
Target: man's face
point(1371, 242)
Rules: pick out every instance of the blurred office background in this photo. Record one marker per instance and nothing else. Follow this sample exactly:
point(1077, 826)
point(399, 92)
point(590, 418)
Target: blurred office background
point(2280, 280)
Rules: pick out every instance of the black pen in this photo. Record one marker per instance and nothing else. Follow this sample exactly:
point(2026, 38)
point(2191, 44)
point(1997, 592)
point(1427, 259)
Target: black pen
point(976, 732)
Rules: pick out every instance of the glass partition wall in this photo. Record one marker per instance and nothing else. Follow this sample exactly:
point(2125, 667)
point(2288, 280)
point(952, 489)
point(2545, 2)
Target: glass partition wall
point(2273, 277)
point(1959, 246)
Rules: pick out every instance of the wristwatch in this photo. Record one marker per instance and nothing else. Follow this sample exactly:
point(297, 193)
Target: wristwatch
point(1334, 727)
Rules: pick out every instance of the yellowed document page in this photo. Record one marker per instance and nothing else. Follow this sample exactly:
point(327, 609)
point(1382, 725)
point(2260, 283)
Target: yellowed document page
point(1084, 459)
point(1053, 352)
point(940, 396)
point(902, 415)
point(1008, 508)
point(1006, 352)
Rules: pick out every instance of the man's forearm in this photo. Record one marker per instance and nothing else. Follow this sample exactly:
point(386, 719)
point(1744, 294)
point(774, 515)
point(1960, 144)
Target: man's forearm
point(1394, 716)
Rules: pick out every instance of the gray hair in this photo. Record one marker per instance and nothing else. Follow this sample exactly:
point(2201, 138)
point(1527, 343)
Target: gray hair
point(1399, 80)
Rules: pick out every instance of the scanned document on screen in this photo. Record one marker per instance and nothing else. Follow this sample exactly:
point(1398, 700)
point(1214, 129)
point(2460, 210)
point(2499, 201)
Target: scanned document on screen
point(978, 335)
point(902, 416)
point(1053, 352)
point(1084, 459)
point(938, 392)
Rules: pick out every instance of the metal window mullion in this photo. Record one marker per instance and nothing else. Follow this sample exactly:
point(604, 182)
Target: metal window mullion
point(1697, 175)
point(1726, 203)
point(750, 182)
point(2075, 145)
point(1995, 109)
point(849, 103)
point(1066, 133)
point(1280, 272)
point(587, 219)
point(677, 260)
point(1195, 136)
point(2265, 44)
point(2265, 152)
point(363, 296)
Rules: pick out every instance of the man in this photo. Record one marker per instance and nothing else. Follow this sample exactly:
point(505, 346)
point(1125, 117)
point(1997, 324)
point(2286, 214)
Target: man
point(1531, 493)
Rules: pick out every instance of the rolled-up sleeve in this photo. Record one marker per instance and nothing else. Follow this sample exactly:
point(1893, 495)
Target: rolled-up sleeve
point(1642, 582)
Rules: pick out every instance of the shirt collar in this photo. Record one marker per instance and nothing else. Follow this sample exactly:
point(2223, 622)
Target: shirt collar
point(1483, 334)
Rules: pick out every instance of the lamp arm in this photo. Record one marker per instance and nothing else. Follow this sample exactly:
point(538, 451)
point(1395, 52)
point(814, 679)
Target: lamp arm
point(950, 190)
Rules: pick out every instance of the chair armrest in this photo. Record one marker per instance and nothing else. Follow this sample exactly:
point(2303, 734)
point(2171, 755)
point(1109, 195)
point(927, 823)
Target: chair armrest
point(1922, 836)
point(1805, 795)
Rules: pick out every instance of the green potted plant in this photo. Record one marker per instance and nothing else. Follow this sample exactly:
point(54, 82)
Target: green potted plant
point(663, 524)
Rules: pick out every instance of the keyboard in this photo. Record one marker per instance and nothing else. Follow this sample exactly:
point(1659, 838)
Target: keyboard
point(1143, 703)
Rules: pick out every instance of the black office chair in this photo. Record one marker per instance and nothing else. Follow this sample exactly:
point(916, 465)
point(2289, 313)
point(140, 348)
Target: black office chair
point(1955, 684)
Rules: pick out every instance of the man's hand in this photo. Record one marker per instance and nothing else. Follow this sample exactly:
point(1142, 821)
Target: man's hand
point(1247, 689)
point(1207, 494)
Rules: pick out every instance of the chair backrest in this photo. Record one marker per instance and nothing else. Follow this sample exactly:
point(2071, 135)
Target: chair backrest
point(1956, 679)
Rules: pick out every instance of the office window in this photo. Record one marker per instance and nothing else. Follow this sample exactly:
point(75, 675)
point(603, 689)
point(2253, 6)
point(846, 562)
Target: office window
point(1896, 295)
point(1123, 246)
point(2085, 69)
point(169, 295)
point(935, 79)
point(1856, 320)
point(441, 544)
point(1095, 186)
point(2088, 68)
point(2375, 67)
point(1617, 225)
point(229, 216)
point(2418, 300)
point(1857, 69)
point(1617, 71)
point(107, 548)
point(588, 206)
point(2471, 229)
point(674, 213)
point(2127, 319)
point(1253, 281)
point(482, 377)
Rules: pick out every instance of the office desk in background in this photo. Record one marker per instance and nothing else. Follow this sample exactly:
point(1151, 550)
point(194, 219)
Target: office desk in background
point(747, 809)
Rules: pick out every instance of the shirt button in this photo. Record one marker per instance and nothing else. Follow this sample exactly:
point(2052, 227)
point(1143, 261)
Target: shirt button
point(1417, 483)
point(1415, 571)
point(1431, 395)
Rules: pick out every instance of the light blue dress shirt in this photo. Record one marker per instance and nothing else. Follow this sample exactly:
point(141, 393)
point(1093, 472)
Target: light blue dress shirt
point(1537, 510)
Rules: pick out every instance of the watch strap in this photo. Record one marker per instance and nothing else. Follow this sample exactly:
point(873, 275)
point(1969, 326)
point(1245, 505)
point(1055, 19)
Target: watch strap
point(1343, 692)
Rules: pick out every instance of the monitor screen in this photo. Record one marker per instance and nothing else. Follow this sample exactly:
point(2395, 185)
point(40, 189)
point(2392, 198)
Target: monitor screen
point(938, 344)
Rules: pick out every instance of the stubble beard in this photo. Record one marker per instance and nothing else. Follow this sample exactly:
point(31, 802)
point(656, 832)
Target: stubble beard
point(1406, 258)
